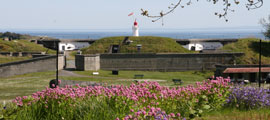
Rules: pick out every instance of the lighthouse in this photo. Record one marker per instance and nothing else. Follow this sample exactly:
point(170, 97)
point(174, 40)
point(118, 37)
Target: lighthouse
point(135, 28)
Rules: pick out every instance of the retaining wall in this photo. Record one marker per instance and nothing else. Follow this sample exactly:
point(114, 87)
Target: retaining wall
point(40, 64)
point(162, 62)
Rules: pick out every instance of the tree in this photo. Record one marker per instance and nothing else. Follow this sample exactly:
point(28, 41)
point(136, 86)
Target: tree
point(10, 35)
point(250, 4)
point(266, 26)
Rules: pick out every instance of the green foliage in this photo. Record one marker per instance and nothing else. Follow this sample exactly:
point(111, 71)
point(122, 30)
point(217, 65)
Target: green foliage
point(149, 45)
point(10, 35)
point(8, 110)
point(266, 25)
point(14, 36)
point(250, 46)
point(21, 46)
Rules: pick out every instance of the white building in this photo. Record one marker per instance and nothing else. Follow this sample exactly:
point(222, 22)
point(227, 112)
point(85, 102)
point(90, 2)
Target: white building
point(73, 44)
point(204, 44)
point(135, 29)
point(198, 46)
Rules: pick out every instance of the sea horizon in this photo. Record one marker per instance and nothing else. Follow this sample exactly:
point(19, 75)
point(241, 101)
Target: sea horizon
point(198, 33)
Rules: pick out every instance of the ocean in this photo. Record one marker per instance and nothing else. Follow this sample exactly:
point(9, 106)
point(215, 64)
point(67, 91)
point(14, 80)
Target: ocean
point(176, 34)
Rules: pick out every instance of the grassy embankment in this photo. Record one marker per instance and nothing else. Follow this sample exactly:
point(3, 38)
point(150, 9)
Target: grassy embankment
point(149, 45)
point(6, 59)
point(19, 46)
point(250, 46)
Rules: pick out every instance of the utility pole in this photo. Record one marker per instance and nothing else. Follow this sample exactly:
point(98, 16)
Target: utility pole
point(57, 55)
point(53, 83)
point(260, 62)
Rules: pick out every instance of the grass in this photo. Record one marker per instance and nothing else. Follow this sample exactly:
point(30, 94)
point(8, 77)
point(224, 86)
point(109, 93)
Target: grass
point(250, 46)
point(6, 59)
point(127, 77)
point(22, 46)
point(149, 45)
point(22, 85)
point(235, 114)
point(70, 55)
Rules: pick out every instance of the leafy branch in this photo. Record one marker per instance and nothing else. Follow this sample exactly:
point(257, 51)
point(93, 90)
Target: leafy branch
point(251, 4)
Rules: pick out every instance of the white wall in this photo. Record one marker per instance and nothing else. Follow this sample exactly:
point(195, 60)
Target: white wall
point(203, 45)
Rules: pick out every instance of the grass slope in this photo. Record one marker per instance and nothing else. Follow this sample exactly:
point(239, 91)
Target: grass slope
point(250, 46)
point(6, 59)
point(149, 45)
point(21, 46)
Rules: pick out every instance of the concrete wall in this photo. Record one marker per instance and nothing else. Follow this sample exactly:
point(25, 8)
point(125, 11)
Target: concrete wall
point(40, 64)
point(159, 62)
point(87, 62)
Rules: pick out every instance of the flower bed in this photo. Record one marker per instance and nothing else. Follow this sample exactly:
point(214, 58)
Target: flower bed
point(244, 97)
point(144, 100)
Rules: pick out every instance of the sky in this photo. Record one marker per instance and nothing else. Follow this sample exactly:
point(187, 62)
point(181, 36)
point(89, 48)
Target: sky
point(113, 14)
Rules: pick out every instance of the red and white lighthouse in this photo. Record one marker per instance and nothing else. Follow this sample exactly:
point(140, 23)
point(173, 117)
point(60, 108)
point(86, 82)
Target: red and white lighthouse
point(135, 28)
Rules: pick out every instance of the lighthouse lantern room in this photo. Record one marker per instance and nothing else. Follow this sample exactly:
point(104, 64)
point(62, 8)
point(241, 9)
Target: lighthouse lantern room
point(135, 28)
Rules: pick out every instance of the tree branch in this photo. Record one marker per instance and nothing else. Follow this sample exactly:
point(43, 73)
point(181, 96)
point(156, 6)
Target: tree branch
point(251, 4)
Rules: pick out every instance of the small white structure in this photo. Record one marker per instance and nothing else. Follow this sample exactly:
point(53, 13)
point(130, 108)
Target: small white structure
point(135, 29)
point(204, 44)
point(198, 46)
point(64, 46)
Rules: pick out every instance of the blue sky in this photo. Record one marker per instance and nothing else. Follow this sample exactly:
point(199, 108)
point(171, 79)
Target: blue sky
point(112, 14)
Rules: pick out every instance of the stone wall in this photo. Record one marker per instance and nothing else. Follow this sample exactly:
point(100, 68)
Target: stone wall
point(40, 64)
point(160, 62)
point(87, 62)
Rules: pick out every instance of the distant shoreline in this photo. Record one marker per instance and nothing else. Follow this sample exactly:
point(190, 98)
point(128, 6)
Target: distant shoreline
point(173, 33)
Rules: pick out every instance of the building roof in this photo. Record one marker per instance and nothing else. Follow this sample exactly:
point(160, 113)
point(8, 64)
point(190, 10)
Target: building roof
point(246, 70)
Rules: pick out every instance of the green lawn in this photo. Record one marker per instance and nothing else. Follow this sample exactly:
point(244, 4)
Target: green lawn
point(127, 77)
point(21, 85)
point(234, 114)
